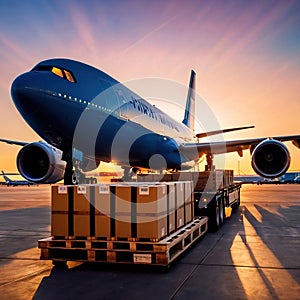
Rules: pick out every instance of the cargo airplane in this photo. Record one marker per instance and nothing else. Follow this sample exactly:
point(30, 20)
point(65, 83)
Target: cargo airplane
point(10, 182)
point(56, 93)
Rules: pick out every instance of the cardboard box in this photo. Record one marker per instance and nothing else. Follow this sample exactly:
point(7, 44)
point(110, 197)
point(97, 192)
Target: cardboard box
point(102, 226)
point(103, 215)
point(123, 229)
point(228, 178)
point(184, 176)
point(189, 201)
point(180, 217)
point(209, 180)
point(152, 211)
point(123, 216)
point(102, 203)
point(59, 224)
point(59, 198)
point(82, 198)
point(179, 204)
point(166, 177)
point(155, 229)
point(81, 225)
point(171, 226)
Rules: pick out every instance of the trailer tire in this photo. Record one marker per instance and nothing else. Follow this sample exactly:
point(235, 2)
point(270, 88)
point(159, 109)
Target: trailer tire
point(221, 212)
point(237, 203)
point(214, 217)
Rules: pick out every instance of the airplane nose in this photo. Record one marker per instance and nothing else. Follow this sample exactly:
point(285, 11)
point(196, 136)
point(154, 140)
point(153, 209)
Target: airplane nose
point(23, 94)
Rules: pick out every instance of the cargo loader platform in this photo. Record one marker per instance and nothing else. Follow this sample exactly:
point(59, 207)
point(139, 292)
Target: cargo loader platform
point(161, 253)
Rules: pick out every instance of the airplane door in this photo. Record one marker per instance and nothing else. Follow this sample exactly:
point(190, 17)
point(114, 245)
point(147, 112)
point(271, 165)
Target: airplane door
point(123, 105)
point(109, 97)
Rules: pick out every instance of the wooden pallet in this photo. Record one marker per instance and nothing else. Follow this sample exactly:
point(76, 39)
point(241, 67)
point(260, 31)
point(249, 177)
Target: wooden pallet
point(160, 253)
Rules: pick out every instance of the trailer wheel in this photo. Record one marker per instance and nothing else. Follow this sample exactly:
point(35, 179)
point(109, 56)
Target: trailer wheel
point(221, 212)
point(237, 203)
point(214, 217)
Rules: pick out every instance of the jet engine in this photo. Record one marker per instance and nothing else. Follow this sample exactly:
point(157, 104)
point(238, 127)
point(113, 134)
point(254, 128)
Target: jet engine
point(270, 158)
point(41, 163)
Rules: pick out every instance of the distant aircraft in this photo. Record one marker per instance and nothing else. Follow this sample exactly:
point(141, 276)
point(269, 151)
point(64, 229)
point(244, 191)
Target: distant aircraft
point(10, 182)
point(289, 177)
point(53, 96)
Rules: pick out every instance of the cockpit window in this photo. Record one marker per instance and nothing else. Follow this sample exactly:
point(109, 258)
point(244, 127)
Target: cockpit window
point(57, 72)
point(69, 76)
point(65, 74)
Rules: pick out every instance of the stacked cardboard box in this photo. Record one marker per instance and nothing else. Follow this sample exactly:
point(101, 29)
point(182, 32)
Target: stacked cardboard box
point(228, 178)
point(171, 207)
point(209, 180)
point(151, 211)
point(60, 211)
point(123, 214)
point(189, 201)
point(139, 210)
point(102, 207)
point(82, 210)
point(180, 204)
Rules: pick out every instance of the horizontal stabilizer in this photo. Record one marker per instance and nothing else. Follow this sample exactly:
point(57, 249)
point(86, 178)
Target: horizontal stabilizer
point(215, 132)
point(13, 142)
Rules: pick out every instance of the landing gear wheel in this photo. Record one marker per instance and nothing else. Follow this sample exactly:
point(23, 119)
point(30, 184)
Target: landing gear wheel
point(74, 178)
point(78, 178)
point(91, 180)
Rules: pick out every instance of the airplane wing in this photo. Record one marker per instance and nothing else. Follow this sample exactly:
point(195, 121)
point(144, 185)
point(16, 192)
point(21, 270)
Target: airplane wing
point(215, 132)
point(238, 146)
point(18, 143)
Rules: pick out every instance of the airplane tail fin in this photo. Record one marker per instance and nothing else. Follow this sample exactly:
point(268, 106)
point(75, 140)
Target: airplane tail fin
point(5, 177)
point(189, 115)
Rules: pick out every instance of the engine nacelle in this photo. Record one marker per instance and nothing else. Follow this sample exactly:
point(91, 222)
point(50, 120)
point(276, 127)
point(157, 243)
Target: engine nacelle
point(270, 159)
point(41, 163)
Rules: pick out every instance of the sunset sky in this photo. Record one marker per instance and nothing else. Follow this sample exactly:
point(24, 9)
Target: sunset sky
point(246, 55)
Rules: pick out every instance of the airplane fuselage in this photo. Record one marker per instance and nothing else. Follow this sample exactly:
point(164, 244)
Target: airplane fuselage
point(72, 105)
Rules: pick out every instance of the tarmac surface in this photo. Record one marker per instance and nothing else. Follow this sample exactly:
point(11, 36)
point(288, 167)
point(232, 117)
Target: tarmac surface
point(255, 255)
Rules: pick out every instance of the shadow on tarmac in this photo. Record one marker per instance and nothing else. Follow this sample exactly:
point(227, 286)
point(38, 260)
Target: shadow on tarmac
point(189, 277)
point(253, 256)
point(21, 228)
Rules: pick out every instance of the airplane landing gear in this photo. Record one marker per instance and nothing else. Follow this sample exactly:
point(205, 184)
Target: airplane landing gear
point(209, 162)
point(77, 176)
